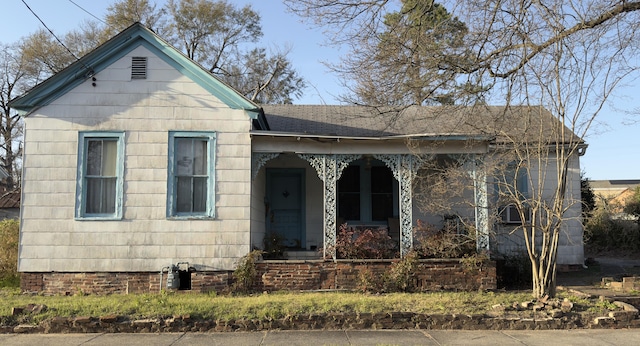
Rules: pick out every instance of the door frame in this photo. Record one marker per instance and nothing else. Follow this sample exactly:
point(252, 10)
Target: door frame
point(301, 173)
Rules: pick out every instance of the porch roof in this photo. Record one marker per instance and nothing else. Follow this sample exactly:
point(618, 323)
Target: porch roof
point(483, 123)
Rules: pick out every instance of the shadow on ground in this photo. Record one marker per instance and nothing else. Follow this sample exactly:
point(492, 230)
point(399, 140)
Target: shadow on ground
point(589, 279)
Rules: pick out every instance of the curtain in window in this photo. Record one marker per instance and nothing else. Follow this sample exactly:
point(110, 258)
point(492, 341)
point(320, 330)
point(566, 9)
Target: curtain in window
point(191, 175)
point(100, 177)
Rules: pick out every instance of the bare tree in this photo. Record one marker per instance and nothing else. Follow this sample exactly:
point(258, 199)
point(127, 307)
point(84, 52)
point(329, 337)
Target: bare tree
point(217, 35)
point(566, 56)
point(121, 14)
point(266, 78)
point(13, 76)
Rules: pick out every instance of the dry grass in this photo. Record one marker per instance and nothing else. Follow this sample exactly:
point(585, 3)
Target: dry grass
point(274, 305)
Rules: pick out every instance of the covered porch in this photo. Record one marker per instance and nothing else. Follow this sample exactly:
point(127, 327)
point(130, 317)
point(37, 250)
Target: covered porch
point(306, 196)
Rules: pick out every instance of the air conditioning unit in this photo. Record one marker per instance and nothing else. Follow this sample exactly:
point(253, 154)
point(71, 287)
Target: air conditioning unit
point(510, 214)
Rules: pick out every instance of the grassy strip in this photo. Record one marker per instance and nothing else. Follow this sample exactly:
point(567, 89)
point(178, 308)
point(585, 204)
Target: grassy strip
point(274, 305)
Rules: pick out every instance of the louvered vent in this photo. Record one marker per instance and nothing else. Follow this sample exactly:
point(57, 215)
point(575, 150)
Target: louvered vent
point(138, 67)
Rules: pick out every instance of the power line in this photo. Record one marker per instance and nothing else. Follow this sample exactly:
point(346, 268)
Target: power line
point(46, 27)
point(89, 13)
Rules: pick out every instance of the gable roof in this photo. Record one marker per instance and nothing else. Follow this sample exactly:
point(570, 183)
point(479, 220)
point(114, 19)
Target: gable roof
point(115, 48)
point(620, 184)
point(453, 122)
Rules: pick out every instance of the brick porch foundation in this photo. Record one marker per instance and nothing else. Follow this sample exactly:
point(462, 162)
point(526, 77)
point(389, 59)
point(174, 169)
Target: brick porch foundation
point(433, 275)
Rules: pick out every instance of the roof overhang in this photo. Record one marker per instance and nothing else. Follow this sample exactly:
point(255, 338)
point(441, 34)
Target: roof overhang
point(420, 137)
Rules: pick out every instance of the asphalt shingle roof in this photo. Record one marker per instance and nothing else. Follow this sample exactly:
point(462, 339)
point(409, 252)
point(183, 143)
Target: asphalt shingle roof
point(361, 121)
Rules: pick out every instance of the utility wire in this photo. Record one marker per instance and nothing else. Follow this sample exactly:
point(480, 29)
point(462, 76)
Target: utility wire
point(54, 35)
point(89, 13)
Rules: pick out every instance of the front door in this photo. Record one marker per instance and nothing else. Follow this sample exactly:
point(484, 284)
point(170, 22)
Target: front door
point(285, 200)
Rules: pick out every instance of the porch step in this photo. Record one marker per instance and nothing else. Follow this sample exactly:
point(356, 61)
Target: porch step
point(302, 255)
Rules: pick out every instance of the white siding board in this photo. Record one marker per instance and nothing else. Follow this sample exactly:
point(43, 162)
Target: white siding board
point(145, 240)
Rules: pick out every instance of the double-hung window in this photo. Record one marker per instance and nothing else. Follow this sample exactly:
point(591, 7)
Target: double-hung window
point(191, 175)
point(366, 193)
point(100, 175)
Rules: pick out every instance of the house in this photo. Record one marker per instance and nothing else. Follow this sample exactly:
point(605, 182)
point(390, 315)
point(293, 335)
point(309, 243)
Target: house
point(139, 166)
point(613, 195)
point(10, 205)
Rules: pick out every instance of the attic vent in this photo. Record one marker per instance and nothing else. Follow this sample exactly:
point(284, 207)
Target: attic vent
point(138, 67)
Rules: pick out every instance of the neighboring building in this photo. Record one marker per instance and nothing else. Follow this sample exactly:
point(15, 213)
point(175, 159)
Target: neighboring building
point(613, 194)
point(137, 159)
point(10, 205)
point(608, 190)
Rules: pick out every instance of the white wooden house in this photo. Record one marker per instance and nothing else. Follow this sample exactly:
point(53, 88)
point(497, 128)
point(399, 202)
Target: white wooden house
point(136, 158)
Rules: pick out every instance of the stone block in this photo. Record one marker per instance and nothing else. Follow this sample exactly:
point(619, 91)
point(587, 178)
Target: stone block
point(624, 316)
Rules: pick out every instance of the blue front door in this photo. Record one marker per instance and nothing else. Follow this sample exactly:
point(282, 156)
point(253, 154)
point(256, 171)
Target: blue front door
point(285, 203)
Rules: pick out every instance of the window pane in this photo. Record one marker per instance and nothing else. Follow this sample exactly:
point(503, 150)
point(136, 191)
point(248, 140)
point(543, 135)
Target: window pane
point(94, 157)
point(183, 194)
point(349, 206)
point(349, 193)
point(199, 195)
point(101, 195)
point(191, 195)
point(381, 206)
point(200, 157)
point(381, 180)
point(350, 180)
point(110, 157)
point(184, 156)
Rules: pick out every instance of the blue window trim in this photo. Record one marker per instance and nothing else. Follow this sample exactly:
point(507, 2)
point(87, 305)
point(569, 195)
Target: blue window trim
point(171, 181)
point(83, 137)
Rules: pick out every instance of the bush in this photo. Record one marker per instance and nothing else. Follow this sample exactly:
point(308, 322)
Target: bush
point(246, 274)
point(605, 234)
point(9, 234)
point(448, 242)
point(352, 243)
point(399, 277)
point(273, 245)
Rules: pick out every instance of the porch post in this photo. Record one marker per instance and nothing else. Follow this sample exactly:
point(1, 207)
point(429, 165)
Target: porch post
point(404, 169)
point(329, 168)
point(481, 206)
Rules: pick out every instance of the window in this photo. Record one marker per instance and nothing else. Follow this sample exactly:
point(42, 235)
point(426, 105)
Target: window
point(100, 175)
point(509, 214)
point(191, 174)
point(366, 193)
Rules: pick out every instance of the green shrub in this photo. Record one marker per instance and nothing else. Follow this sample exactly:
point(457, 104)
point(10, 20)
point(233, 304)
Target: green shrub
point(399, 277)
point(246, 274)
point(9, 233)
point(273, 245)
point(604, 234)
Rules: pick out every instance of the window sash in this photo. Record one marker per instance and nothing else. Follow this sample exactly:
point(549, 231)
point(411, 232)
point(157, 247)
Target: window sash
point(100, 171)
point(191, 174)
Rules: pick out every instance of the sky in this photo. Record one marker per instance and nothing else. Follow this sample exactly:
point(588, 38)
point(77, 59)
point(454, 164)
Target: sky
point(611, 154)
